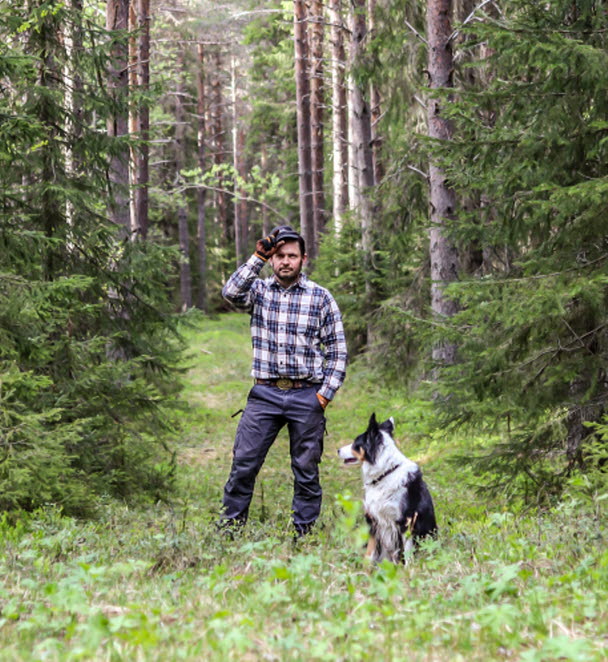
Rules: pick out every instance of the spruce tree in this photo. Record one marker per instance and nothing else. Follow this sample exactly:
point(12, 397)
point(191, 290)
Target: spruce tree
point(533, 329)
point(75, 421)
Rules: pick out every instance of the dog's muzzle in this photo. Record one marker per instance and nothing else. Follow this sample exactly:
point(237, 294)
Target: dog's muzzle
point(347, 456)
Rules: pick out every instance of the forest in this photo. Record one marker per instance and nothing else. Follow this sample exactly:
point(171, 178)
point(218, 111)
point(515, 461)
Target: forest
point(447, 163)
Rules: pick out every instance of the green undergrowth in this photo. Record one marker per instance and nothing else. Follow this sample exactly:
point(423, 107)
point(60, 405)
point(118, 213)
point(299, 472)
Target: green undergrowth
point(159, 582)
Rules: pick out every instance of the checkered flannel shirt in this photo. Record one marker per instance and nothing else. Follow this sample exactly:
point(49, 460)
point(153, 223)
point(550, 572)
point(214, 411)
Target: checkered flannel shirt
point(296, 333)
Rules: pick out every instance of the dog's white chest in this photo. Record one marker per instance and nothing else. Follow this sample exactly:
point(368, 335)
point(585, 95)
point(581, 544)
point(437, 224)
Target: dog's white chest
point(382, 506)
point(385, 499)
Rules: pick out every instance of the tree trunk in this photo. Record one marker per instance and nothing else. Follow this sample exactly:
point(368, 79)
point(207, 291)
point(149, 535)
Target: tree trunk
point(117, 12)
point(219, 148)
point(443, 253)
point(240, 205)
point(303, 119)
point(49, 207)
point(133, 122)
point(243, 210)
point(185, 278)
point(265, 216)
point(72, 84)
point(361, 137)
point(362, 132)
point(360, 123)
point(339, 125)
point(376, 111)
point(201, 191)
point(143, 82)
point(317, 101)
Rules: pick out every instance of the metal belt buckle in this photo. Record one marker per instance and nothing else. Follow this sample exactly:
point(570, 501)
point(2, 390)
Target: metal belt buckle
point(284, 384)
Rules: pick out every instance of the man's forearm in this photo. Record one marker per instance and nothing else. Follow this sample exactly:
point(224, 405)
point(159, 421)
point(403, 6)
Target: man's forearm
point(238, 287)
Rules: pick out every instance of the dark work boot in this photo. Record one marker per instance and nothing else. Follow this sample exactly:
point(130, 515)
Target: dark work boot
point(302, 530)
point(229, 528)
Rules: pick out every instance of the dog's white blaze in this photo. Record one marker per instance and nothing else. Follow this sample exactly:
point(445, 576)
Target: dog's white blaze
point(346, 453)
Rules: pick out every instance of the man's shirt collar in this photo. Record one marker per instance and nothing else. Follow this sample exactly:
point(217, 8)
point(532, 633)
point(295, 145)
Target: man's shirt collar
point(301, 284)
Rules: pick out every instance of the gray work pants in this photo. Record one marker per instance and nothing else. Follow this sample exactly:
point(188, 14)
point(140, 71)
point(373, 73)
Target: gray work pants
point(268, 409)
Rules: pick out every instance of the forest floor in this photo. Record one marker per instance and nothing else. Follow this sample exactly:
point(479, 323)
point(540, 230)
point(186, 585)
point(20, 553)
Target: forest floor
point(159, 583)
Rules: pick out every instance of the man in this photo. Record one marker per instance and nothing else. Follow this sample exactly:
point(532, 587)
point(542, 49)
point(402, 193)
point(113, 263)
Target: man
point(299, 362)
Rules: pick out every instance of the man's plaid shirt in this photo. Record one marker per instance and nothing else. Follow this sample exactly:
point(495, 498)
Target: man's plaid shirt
point(296, 333)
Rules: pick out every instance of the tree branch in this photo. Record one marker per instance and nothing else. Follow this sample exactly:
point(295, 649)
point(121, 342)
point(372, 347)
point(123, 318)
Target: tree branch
point(470, 17)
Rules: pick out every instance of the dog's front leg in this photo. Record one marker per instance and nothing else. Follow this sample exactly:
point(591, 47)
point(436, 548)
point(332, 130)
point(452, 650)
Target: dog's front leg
point(371, 548)
point(371, 553)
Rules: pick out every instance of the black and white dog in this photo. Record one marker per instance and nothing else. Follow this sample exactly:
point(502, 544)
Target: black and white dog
point(398, 506)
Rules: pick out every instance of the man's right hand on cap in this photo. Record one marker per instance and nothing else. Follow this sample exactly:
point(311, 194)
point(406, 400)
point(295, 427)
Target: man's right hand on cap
point(267, 246)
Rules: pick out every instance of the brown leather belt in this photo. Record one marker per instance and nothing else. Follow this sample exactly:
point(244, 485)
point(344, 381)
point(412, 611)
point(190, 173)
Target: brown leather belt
point(284, 384)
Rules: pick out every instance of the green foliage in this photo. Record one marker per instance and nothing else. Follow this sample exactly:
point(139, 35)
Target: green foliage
point(161, 583)
point(88, 346)
point(528, 163)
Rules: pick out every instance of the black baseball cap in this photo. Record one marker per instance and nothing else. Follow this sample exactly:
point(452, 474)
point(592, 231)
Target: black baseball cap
point(285, 233)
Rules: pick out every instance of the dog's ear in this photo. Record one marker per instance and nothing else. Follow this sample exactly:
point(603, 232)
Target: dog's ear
point(388, 425)
point(372, 426)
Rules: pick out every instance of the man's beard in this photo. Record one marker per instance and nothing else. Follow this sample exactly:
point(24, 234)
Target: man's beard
point(288, 276)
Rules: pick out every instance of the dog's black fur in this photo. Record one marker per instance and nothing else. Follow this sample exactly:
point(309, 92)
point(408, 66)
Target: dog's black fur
point(398, 505)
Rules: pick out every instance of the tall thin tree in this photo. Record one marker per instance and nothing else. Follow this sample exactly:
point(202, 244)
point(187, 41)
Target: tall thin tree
point(117, 21)
point(240, 206)
point(303, 120)
point(219, 146)
point(339, 123)
point(143, 83)
point(443, 252)
point(375, 101)
point(360, 114)
point(185, 275)
point(317, 105)
point(360, 135)
point(201, 191)
point(133, 119)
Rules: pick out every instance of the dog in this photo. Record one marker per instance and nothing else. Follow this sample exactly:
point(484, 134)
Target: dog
point(398, 505)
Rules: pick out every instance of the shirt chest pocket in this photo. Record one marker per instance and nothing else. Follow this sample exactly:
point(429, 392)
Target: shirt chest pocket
point(307, 330)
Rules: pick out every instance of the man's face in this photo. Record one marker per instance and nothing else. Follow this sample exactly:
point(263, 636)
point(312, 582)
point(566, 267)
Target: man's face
point(287, 263)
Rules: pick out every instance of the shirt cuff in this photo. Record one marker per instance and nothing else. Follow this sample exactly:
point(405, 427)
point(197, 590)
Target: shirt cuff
point(327, 392)
point(256, 261)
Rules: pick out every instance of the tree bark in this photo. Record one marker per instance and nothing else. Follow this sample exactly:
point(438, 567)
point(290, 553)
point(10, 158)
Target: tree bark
point(133, 122)
point(361, 137)
point(443, 253)
point(117, 18)
point(219, 147)
point(317, 101)
point(339, 123)
point(265, 216)
point(201, 191)
point(376, 110)
point(72, 85)
point(185, 277)
point(143, 82)
point(243, 210)
point(359, 110)
point(303, 120)
point(240, 205)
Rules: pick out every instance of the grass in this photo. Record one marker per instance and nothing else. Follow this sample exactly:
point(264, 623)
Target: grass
point(158, 583)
